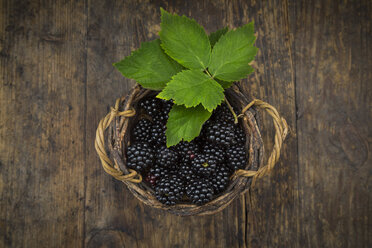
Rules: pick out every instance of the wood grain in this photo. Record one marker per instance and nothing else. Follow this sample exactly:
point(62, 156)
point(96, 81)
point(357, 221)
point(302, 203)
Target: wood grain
point(272, 215)
point(57, 81)
point(333, 84)
point(42, 149)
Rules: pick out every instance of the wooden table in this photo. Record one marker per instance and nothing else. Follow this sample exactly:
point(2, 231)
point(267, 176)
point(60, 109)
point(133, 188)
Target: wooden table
point(57, 81)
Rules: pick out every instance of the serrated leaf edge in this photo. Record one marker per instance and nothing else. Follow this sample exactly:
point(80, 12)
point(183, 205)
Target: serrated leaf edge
point(134, 53)
point(224, 37)
point(160, 96)
point(203, 67)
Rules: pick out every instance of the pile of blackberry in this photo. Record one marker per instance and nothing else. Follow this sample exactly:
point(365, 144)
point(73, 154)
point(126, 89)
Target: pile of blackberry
point(196, 171)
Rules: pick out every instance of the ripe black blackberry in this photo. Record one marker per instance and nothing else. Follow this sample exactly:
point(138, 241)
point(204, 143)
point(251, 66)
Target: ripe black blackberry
point(140, 156)
point(186, 172)
point(240, 135)
point(204, 165)
point(166, 157)
point(160, 171)
point(220, 179)
point(222, 113)
point(151, 105)
point(169, 190)
point(158, 134)
point(142, 130)
point(187, 150)
point(162, 115)
point(161, 118)
point(220, 133)
point(236, 157)
point(166, 106)
point(199, 191)
point(216, 152)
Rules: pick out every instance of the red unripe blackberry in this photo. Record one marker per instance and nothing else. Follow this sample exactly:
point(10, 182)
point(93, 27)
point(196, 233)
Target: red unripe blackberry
point(151, 179)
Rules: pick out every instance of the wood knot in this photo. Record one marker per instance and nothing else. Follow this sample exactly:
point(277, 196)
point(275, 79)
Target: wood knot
point(353, 145)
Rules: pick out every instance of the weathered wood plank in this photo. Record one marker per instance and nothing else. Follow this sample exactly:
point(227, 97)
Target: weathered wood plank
point(333, 64)
point(271, 214)
point(42, 123)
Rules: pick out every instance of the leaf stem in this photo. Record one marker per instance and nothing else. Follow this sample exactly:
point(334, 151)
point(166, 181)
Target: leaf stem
point(208, 73)
point(232, 111)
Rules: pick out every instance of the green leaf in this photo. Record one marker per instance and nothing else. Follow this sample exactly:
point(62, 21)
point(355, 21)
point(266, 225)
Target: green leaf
point(149, 66)
point(232, 53)
point(215, 36)
point(192, 87)
point(185, 123)
point(185, 41)
point(224, 84)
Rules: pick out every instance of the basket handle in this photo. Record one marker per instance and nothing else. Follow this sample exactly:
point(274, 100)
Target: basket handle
point(110, 167)
point(281, 131)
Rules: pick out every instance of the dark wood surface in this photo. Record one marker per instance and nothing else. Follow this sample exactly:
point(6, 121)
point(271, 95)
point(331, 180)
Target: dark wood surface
point(57, 81)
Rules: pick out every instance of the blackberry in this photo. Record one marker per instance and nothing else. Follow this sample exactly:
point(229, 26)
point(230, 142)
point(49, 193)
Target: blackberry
point(220, 133)
point(236, 157)
point(204, 165)
point(151, 105)
point(169, 190)
point(151, 179)
point(162, 116)
point(199, 191)
point(186, 172)
point(187, 150)
point(216, 152)
point(223, 113)
point(166, 106)
point(160, 172)
point(158, 134)
point(166, 157)
point(142, 131)
point(203, 133)
point(140, 156)
point(240, 136)
point(220, 180)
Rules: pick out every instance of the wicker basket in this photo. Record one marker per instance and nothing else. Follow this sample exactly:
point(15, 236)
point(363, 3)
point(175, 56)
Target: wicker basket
point(122, 117)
